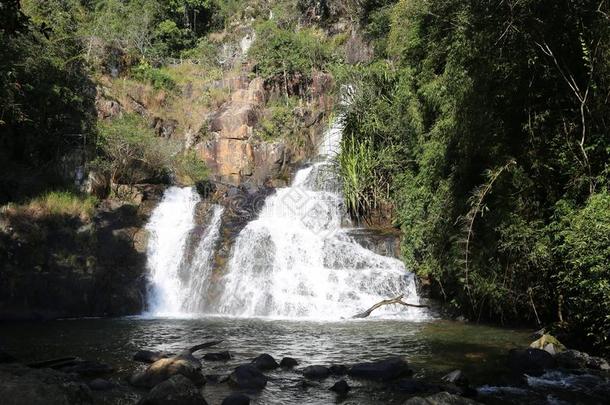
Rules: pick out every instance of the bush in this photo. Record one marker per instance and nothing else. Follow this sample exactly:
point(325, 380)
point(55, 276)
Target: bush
point(583, 279)
point(189, 169)
point(56, 203)
point(156, 77)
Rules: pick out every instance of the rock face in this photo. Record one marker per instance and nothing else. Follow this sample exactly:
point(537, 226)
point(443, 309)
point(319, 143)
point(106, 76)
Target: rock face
point(183, 364)
point(383, 370)
point(530, 360)
point(25, 386)
point(178, 390)
point(54, 266)
point(248, 377)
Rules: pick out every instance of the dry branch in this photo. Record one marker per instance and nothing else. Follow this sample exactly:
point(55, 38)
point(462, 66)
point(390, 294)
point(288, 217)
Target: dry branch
point(397, 300)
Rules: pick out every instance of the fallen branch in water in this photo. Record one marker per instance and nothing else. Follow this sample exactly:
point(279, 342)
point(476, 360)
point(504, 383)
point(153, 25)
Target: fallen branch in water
point(397, 300)
point(204, 345)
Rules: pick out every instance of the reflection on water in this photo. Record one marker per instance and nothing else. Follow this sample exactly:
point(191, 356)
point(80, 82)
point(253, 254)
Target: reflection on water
point(432, 348)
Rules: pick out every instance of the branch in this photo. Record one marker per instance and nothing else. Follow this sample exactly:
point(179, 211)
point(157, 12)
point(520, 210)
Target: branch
point(397, 300)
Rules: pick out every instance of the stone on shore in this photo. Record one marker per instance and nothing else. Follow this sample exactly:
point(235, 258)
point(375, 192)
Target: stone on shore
point(177, 390)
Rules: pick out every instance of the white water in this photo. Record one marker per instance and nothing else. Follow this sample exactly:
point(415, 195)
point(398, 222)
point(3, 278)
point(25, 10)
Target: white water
point(295, 260)
point(175, 279)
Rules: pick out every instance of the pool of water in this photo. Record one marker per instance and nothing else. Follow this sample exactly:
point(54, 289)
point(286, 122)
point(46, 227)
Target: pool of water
point(433, 348)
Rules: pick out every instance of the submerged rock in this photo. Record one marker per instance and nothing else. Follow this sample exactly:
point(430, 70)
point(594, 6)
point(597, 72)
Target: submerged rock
point(382, 370)
point(412, 386)
point(184, 364)
point(221, 356)
point(530, 360)
point(22, 385)
point(265, 362)
point(288, 362)
point(236, 399)
point(247, 376)
point(341, 387)
point(338, 369)
point(177, 390)
point(148, 356)
point(442, 398)
point(316, 372)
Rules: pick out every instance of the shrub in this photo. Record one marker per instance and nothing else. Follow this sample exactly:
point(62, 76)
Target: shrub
point(148, 74)
point(56, 203)
point(189, 169)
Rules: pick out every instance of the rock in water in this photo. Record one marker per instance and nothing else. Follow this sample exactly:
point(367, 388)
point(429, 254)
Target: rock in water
point(222, 356)
point(288, 362)
point(265, 362)
point(530, 360)
point(184, 364)
point(576, 359)
point(177, 390)
point(456, 377)
point(316, 372)
point(548, 343)
point(341, 387)
point(442, 398)
point(383, 370)
point(99, 384)
point(148, 356)
point(87, 368)
point(236, 399)
point(248, 376)
point(338, 369)
point(21, 385)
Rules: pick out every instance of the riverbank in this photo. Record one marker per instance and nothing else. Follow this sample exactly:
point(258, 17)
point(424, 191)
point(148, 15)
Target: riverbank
point(431, 350)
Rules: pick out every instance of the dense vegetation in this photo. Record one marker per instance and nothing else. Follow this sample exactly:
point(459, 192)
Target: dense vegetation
point(483, 125)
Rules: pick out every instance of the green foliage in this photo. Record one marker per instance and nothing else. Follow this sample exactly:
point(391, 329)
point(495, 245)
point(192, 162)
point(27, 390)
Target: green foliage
point(148, 74)
point(189, 168)
point(467, 88)
point(583, 279)
point(279, 120)
point(287, 58)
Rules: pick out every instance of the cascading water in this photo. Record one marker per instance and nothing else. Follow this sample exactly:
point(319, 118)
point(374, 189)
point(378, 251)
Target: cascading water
point(295, 260)
point(176, 280)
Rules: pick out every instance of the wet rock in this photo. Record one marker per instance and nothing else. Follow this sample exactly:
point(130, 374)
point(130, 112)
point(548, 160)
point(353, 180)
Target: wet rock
point(288, 362)
point(236, 399)
point(148, 356)
point(412, 386)
point(265, 362)
point(184, 364)
point(341, 387)
point(576, 359)
point(383, 370)
point(221, 356)
point(248, 376)
point(442, 398)
point(87, 368)
point(99, 384)
point(316, 372)
point(338, 369)
point(456, 377)
point(22, 385)
point(530, 360)
point(177, 390)
point(216, 378)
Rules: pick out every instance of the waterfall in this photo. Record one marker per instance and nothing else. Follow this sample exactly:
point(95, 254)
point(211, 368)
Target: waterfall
point(296, 261)
point(177, 279)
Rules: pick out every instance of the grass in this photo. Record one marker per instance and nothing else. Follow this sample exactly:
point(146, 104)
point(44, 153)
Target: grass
point(55, 203)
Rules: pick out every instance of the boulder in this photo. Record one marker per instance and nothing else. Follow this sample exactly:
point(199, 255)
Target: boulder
point(456, 377)
point(265, 362)
point(221, 356)
point(247, 376)
point(341, 387)
point(316, 372)
point(548, 343)
point(382, 370)
point(288, 362)
point(236, 399)
point(442, 398)
point(177, 390)
point(184, 364)
point(530, 360)
point(22, 385)
point(338, 369)
point(576, 359)
point(148, 356)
